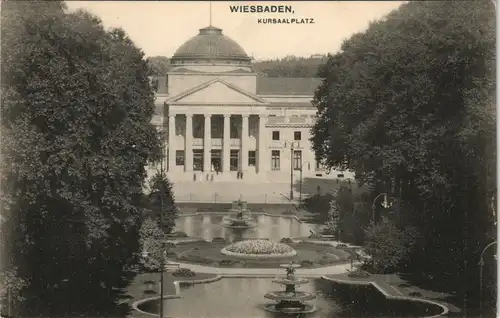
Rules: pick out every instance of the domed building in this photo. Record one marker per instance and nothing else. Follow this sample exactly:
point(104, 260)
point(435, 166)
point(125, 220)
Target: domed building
point(223, 121)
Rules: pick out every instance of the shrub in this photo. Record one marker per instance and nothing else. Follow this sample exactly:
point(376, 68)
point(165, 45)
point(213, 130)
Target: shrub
point(286, 240)
point(415, 294)
point(179, 234)
point(306, 263)
point(259, 247)
point(218, 239)
point(342, 245)
point(183, 272)
point(226, 262)
point(358, 273)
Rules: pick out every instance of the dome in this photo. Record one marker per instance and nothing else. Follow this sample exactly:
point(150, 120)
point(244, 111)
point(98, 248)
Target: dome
point(210, 45)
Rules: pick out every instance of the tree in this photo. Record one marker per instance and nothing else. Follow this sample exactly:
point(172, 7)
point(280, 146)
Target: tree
point(389, 245)
point(161, 190)
point(158, 65)
point(76, 137)
point(408, 106)
point(152, 241)
point(332, 224)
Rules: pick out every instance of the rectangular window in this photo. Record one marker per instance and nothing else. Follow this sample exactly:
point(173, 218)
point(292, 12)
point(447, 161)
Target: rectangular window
point(197, 159)
point(179, 157)
point(275, 160)
point(276, 135)
point(251, 158)
point(234, 159)
point(297, 159)
point(297, 135)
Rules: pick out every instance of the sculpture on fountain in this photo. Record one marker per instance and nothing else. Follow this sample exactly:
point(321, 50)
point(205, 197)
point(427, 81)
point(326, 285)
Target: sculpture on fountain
point(290, 301)
point(242, 218)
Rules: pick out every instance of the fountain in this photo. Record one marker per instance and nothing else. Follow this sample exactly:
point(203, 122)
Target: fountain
point(242, 218)
point(290, 301)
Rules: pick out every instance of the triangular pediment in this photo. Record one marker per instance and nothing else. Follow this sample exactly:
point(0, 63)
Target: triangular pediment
point(216, 91)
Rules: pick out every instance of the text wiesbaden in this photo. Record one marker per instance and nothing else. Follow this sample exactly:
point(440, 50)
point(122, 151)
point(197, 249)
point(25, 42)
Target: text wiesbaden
point(262, 9)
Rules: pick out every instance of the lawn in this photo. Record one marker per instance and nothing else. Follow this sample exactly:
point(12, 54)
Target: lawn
point(308, 254)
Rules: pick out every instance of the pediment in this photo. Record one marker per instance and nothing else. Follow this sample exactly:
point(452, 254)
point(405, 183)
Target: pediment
point(216, 92)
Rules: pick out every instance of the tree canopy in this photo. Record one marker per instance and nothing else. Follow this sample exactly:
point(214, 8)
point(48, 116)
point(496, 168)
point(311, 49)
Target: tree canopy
point(76, 138)
point(409, 106)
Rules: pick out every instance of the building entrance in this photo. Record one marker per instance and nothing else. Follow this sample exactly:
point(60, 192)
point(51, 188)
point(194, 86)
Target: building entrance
point(216, 160)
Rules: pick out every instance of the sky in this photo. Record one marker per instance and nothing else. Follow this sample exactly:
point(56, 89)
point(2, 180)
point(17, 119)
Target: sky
point(160, 27)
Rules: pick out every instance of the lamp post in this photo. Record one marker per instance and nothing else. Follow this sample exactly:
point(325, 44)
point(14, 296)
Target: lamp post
point(300, 190)
point(291, 171)
point(386, 204)
point(481, 265)
point(162, 255)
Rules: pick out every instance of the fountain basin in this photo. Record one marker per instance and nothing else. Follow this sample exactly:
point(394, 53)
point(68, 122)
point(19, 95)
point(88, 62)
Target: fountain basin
point(284, 296)
point(278, 308)
point(286, 281)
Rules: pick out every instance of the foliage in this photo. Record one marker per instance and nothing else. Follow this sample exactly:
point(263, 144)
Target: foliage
point(178, 234)
point(291, 66)
point(152, 241)
point(11, 283)
point(408, 105)
point(332, 225)
point(306, 263)
point(158, 65)
point(161, 198)
point(358, 273)
point(259, 247)
point(389, 245)
point(226, 262)
point(183, 272)
point(286, 240)
point(76, 137)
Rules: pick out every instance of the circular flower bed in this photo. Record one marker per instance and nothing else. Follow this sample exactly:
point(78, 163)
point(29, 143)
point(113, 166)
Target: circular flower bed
point(253, 249)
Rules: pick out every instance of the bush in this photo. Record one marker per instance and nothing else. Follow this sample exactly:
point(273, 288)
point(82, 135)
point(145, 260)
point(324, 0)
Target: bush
point(218, 239)
point(306, 263)
point(342, 245)
point(179, 234)
point(286, 240)
point(226, 262)
point(183, 272)
point(358, 273)
point(259, 247)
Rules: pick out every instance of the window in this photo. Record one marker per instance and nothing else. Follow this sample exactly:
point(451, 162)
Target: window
point(275, 160)
point(179, 157)
point(234, 158)
point(251, 158)
point(297, 135)
point(276, 135)
point(297, 159)
point(197, 159)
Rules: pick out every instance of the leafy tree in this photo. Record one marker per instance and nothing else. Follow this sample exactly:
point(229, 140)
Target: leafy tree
point(152, 241)
point(10, 289)
point(291, 66)
point(76, 137)
point(158, 65)
point(332, 224)
point(389, 245)
point(408, 106)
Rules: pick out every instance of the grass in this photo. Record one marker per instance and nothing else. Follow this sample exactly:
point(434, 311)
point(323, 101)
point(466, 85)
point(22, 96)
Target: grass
point(209, 254)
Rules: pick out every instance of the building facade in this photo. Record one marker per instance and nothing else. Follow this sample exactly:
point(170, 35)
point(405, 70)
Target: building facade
point(222, 121)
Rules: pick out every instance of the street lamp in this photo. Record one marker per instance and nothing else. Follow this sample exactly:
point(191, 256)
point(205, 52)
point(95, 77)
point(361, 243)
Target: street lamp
point(481, 265)
point(291, 171)
point(300, 190)
point(162, 255)
point(386, 203)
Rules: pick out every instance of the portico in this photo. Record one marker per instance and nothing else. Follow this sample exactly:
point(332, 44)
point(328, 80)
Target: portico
point(220, 142)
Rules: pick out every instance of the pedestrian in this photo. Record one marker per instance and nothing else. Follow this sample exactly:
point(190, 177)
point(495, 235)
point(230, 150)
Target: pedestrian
point(194, 176)
point(212, 178)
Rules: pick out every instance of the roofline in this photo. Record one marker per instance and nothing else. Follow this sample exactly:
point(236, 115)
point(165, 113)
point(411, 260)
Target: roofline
point(211, 74)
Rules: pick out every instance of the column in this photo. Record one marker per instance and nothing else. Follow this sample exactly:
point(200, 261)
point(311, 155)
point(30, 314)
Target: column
point(207, 144)
point(188, 147)
point(262, 155)
point(244, 142)
point(226, 144)
point(171, 140)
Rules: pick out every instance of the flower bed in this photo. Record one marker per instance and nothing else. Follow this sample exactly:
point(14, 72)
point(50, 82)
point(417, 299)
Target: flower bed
point(258, 249)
